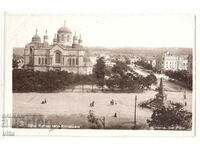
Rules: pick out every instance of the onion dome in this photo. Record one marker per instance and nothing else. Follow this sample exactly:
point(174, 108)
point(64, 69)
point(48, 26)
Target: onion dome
point(64, 29)
point(75, 37)
point(46, 36)
point(80, 40)
point(36, 38)
point(75, 41)
point(54, 39)
point(46, 44)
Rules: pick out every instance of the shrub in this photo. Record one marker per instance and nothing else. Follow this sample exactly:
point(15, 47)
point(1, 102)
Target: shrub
point(36, 81)
point(95, 122)
point(171, 117)
point(182, 76)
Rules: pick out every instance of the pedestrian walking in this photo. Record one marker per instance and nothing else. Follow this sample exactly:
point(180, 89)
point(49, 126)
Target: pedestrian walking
point(115, 115)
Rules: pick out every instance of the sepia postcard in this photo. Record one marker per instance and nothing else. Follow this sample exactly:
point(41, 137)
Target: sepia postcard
point(98, 74)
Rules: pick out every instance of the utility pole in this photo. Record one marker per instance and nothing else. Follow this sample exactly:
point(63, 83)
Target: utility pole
point(184, 95)
point(135, 111)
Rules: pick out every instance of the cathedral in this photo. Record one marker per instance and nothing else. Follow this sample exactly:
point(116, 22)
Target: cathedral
point(65, 54)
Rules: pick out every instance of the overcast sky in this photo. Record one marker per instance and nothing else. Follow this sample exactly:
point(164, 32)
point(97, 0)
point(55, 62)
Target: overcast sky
point(106, 30)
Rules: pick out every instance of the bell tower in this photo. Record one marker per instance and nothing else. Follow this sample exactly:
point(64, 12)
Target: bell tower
point(75, 41)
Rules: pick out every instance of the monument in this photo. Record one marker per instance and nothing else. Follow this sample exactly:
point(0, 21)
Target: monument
point(161, 96)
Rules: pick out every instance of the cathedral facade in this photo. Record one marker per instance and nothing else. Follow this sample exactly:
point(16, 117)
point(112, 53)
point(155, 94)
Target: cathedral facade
point(65, 54)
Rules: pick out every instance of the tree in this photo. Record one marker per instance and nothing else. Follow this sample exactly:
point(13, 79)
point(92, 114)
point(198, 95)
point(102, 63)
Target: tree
point(120, 68)
point(123, 77)
point(127, 60)
point(144, 64)
point(95, 122)
point(99, 71)
point(113, 82)
point(172, 117)
point(151, 79)
point(119, 72)
point(36, 81)
point(182, 76)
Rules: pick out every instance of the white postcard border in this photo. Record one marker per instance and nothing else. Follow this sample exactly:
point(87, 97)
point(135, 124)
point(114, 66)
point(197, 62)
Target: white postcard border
point(81, 132)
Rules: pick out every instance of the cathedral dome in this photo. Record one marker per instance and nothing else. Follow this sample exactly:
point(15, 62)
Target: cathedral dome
point(36, 38)
point(64, 29)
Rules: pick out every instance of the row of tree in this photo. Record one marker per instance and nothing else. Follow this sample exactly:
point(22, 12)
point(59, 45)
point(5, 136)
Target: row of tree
point(144, 64)
point(147, 66)
point(36, 81)
point(120, 76)
point(182, 76)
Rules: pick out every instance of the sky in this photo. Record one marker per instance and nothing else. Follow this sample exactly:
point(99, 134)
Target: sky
point(107, 30)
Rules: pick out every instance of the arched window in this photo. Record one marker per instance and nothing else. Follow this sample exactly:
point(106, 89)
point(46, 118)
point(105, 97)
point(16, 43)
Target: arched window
point(67, 38)
point(63, 37)
point(58, 57)
point(73, 61)
point(39, 61)
point(45, 60)
point(76, 61)
point(42, 60)
point(70, 61)
point(31, 50)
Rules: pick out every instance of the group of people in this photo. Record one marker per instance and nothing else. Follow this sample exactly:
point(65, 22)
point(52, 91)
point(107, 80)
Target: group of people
point(112, 102)
point(44, 101)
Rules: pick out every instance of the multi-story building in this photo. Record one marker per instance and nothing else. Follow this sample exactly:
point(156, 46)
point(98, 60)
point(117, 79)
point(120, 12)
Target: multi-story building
point(173, 62)
point(183, 62)
point(170, 62)
point(150, 60)
point(189, 68)
point(65, 54)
